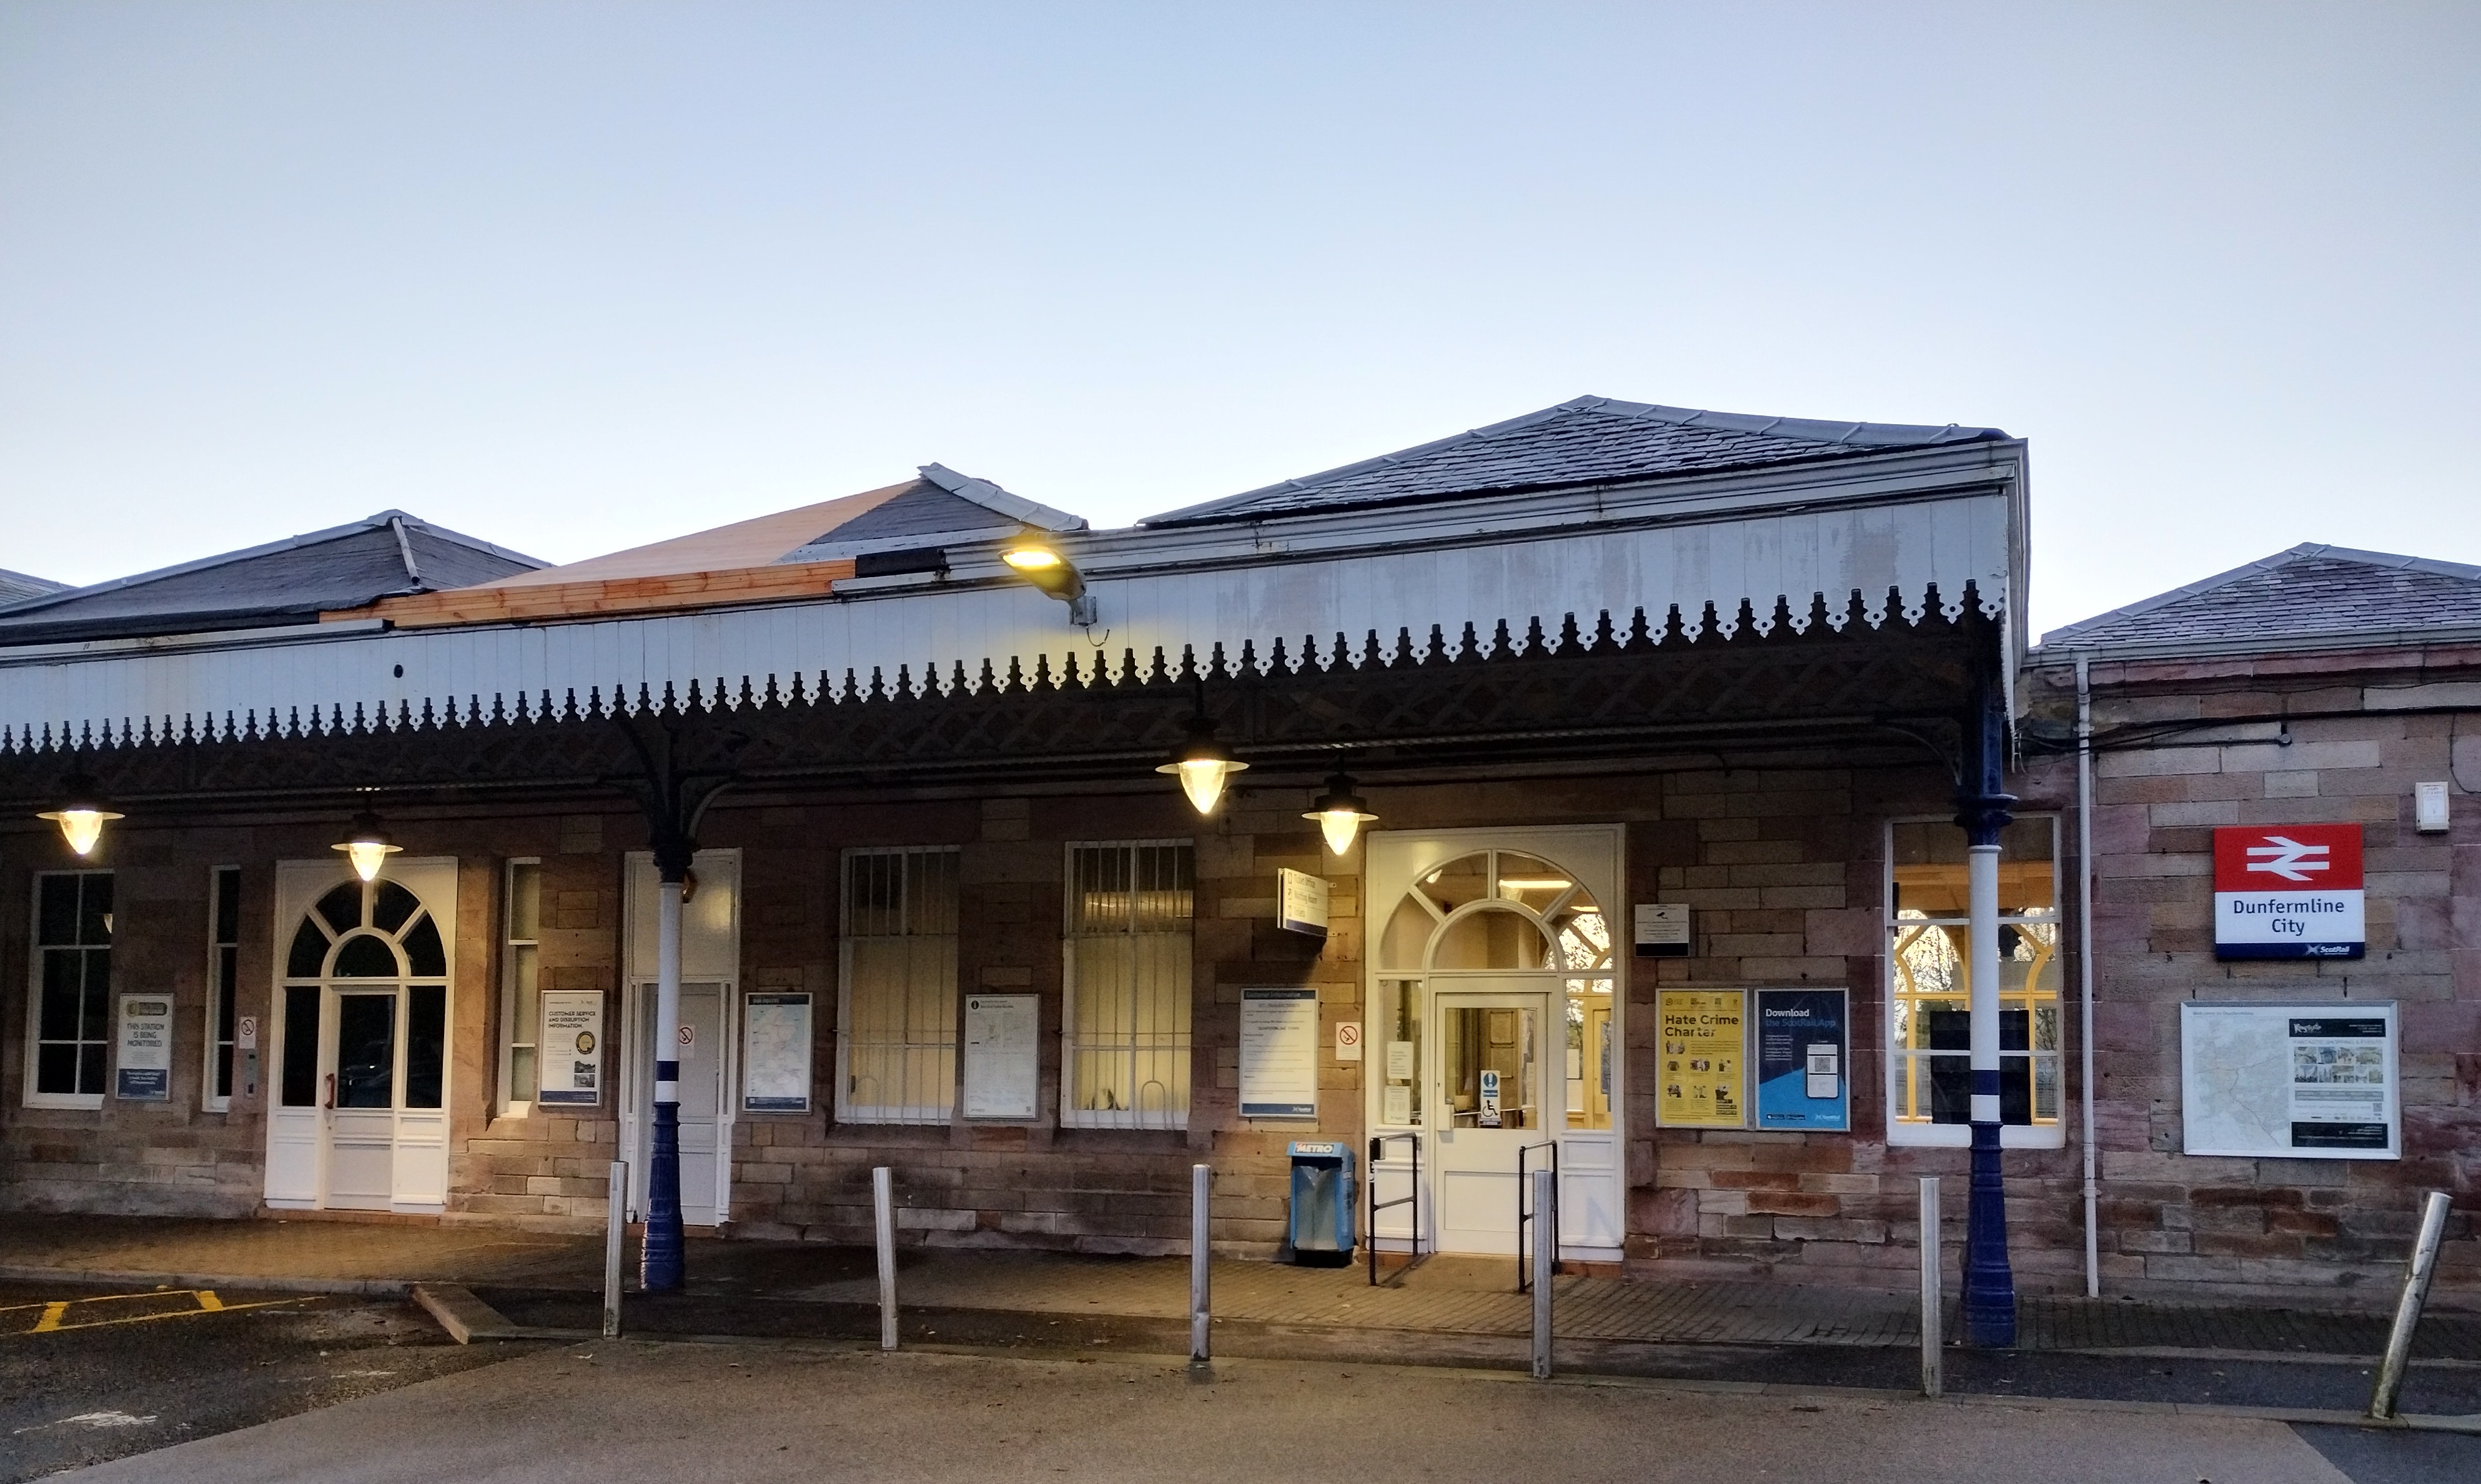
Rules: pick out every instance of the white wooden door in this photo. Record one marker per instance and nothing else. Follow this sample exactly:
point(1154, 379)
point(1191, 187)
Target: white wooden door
point(704, 1130)
point(1489, 1098)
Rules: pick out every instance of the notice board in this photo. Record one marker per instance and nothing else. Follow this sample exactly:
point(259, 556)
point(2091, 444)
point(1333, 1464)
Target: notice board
point(775, 1053)
point(1279, 1053)
point(569, 1059)
point(1703, 1081)
point(1804, 1056)
point(1003, 1055)
point(143, 1072)
point(2304, 1082)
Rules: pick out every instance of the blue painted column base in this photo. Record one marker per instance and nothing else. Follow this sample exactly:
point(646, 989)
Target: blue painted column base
point(661, 1261)
point(1989, 1282)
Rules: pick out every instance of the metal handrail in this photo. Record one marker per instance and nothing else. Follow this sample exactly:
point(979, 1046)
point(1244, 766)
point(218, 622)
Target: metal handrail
point(1524, 1217)
point(1377, 1146)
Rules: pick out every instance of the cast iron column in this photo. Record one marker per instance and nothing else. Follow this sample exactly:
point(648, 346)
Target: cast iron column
point(661, 1269)
point(674, 797)
point(1981, 811)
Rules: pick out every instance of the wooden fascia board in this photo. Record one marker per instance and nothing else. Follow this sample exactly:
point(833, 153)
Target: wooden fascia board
point(606, 597)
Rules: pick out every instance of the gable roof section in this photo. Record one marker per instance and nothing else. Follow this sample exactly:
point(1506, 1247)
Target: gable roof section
point(17, 587)
point(1589, 440)
point(800, 552)
point(2309, 594)
point(287, 582)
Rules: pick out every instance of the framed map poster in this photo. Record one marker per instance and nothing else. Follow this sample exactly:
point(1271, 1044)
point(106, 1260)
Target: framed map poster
point(775, 1053)
point(2303, 1081)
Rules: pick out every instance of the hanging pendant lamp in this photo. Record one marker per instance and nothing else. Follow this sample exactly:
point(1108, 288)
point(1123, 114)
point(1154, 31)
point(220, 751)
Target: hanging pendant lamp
point(1202, 765)
point(1340, 813)
point(367, 845)
point(81, 813)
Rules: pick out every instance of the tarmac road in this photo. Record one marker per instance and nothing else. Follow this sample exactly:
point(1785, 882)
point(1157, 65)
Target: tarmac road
point(759, 1412)
point(92, 1373)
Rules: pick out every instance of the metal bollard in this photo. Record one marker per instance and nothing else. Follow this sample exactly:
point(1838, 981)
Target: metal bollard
point(615, 1235)
point(1201, 1256)
point(883, 1196)
point(2416, 1293)
point(1933, 1291)
point(1546, 1263)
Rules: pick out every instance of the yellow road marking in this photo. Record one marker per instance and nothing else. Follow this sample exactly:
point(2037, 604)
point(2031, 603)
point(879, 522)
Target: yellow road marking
point(103, 1298)
point(208, 1303)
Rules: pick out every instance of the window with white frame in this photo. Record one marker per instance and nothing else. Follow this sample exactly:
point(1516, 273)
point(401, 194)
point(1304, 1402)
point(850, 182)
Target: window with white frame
point(223, 982)
point(1126, 1025)
point(71, 1009)
point(895, 1019)
point(520, 990)
point(1929, 1019)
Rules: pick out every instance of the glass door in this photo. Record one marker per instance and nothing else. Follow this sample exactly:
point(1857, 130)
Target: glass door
point(1488, 1100)
point(362, 1077)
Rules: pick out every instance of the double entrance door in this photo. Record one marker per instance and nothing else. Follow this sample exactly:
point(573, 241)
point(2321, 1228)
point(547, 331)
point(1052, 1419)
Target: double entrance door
point(363, 1093)
point(1492, 1105)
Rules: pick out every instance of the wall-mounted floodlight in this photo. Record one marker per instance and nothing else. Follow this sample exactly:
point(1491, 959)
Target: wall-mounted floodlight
point(81, 813)
point(367, 845)
point(1032, 557)
point(1340, 813)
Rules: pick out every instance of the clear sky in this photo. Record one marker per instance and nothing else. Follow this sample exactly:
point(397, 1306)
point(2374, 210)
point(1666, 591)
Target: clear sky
point(571, 277)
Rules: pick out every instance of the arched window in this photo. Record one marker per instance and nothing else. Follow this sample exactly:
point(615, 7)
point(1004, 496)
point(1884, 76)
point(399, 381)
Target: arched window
point(1498, 913)
point(362, 940)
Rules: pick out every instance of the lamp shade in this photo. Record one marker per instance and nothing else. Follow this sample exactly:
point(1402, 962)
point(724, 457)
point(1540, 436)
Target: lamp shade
point(367, 845)
point(1202, 766)
point(1340, 813)
point(81, 813)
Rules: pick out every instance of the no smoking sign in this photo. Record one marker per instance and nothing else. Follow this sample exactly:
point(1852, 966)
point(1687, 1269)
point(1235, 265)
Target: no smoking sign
point(1348, 1040)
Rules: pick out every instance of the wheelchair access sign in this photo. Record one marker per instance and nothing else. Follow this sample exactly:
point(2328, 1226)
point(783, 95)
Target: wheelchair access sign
point(2289, 891)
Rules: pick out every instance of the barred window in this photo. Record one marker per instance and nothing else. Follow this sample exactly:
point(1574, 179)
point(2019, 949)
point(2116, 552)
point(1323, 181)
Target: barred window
point(896, 1045)
point(1126, 1022)
point(71, 1006)
point(1929, 1030)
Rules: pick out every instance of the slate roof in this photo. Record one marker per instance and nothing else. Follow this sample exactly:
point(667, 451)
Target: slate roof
point(17, 587)
point(284, 582)
point(2308, 592)
point(1590, 441)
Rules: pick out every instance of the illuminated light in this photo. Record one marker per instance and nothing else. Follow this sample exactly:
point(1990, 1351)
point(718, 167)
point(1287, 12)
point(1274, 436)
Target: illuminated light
point(1202, 766)
point(1534, 883)
point(1340, 813)
point(1031, 559)
point(367, 845)
point(81, 815)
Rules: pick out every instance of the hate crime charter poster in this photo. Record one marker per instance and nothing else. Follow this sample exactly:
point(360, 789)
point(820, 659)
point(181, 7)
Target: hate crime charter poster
point(1703, 1075)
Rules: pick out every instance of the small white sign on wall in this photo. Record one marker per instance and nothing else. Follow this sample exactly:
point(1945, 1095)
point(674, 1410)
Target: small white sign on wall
point(1348, 1040)
point(1300, 903)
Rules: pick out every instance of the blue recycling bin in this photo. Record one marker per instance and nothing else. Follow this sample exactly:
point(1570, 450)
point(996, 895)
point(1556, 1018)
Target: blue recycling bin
point(1321, 1230)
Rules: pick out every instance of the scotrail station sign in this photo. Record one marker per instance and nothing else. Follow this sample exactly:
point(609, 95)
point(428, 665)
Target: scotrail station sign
point(2289, 891)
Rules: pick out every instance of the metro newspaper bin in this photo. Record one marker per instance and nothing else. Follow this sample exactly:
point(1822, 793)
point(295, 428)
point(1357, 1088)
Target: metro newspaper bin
point(1321, 1230)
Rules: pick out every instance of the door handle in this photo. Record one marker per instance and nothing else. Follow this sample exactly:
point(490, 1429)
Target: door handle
point(332, 1092)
